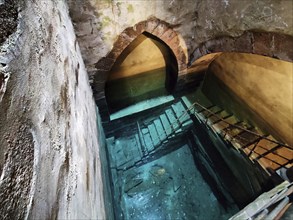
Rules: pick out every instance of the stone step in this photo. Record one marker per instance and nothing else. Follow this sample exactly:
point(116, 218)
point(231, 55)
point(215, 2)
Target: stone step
point(195, 108)
point(221, 125)
point(144, 131)
point(166, 124)
point(268, 145)
point(181, 113)
point(138, 141)
point(154, 135)
point(148, 142)
point(135, 149)
point(188, 104)
point(172, 118)
point(160, 129)
point(186, 101)
point(141, 140)
point(233, 131)
point(223, 114)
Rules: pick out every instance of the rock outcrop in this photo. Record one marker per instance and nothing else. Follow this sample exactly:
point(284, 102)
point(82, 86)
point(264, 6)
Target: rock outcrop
point(50, 162)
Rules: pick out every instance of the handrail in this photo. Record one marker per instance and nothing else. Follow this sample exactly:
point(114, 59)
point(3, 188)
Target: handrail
point(178, 119)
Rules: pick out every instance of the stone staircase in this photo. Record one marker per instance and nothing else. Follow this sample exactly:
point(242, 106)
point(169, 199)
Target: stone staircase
point(153, 138)
point(148, 137)
point(157, 135)
point(258, 147)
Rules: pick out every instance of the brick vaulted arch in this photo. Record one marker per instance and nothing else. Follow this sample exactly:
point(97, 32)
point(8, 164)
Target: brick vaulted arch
point(153, 26)
point(275, 45)
point(263, 43)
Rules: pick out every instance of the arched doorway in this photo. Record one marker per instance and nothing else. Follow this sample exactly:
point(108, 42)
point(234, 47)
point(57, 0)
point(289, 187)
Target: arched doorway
point(158, 31)
point(146, 68)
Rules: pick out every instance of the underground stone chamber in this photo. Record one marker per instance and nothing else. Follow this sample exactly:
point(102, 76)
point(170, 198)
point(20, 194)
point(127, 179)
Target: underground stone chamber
point(199, 141)
point(204, 154)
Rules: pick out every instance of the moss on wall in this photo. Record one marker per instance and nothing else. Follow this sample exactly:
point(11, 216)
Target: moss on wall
point(130, 9)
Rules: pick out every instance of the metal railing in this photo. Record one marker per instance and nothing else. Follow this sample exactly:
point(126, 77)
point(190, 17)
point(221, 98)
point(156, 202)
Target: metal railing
point(241, 128)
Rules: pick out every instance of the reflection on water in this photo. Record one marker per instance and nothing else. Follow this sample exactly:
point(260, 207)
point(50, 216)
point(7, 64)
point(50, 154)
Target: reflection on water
point(124, 92)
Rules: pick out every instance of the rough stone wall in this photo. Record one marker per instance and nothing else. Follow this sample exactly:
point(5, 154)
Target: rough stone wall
point(8, 18)
point(269, 44)
point(49, 152)
point(98, 23)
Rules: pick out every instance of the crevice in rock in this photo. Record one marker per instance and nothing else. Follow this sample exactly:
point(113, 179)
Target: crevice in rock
point(8, 18)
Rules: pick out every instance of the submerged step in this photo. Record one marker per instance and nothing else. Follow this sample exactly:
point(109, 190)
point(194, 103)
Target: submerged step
point(154, 134)
point(166, 124)
point(141, 140)
point(221, 125)
point(172, 118)
point(139, 145)
point(181, 112)
point(148, 142)
point(160, 129)
point(144, 131)
point(125, 152)
point(223, 114)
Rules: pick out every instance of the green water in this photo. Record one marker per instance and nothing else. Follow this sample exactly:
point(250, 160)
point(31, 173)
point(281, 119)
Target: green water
point(124, 92)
